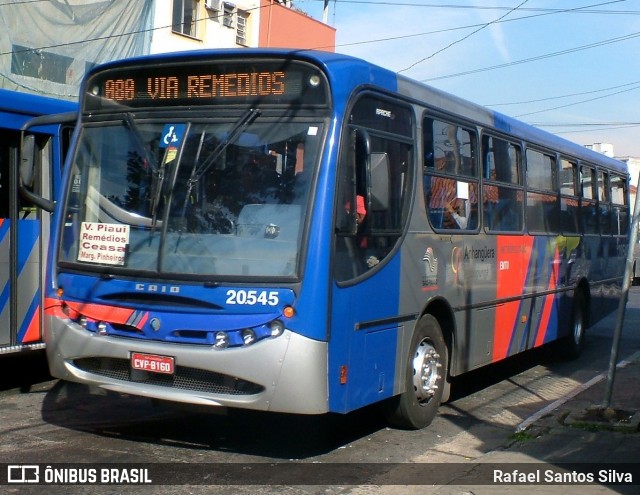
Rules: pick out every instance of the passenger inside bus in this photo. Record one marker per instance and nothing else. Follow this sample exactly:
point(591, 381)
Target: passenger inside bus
point(456, 214)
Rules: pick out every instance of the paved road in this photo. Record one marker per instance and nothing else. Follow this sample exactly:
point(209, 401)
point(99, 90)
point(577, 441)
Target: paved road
point(52, 421)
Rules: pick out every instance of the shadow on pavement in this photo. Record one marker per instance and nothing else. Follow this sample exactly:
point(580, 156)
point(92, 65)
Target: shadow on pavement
point(138, 419)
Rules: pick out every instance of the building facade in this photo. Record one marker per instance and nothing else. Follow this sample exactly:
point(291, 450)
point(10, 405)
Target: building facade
point(46, 47)
point(193, 24)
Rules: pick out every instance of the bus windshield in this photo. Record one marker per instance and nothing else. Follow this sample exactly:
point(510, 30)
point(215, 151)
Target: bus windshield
point(189, 199)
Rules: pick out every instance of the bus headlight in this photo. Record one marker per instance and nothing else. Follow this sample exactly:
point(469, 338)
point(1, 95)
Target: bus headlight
point(222, 340)
point(248, 336)
point(277, 328)
point(314, 81)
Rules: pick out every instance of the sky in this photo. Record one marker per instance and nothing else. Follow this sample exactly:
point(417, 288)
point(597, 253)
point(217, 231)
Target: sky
point(571, 67)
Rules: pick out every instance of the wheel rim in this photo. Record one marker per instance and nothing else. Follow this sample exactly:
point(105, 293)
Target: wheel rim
point(426, 365)
point(578, 327)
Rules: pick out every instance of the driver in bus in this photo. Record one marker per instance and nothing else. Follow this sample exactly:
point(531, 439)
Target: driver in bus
point(361, 210)
point(363, 242)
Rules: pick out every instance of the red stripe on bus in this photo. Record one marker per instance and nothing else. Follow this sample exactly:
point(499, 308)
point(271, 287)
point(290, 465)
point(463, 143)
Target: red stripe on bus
point(548, 300)
point(98, 312)
point(512, 264)
point(34, 330)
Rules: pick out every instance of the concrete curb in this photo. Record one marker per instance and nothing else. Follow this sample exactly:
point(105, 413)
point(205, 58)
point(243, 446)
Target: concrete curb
point(560, 402)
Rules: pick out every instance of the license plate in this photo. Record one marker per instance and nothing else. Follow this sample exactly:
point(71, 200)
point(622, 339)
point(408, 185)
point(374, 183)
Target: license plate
point(153, 363)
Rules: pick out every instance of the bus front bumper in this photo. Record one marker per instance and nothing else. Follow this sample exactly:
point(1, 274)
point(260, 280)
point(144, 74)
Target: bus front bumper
point(283, 374)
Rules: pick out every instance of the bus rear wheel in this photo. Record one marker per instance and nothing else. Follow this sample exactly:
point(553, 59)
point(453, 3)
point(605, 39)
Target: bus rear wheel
point(574, 342)
point(425, 378)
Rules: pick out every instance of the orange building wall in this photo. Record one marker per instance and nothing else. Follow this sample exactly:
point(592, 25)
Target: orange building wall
point(281, 27)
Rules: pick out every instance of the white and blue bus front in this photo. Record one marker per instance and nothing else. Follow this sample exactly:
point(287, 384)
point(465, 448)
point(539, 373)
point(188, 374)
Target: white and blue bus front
point(183, 233)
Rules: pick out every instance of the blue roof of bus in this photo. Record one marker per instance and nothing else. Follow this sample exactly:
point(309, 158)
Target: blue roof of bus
point(316, 55)
point(32, 104)
point(348, 69)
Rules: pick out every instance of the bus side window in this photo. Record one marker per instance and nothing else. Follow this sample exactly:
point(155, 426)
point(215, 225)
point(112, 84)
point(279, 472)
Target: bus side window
point(620, 206)
point(373, 186)
point(604, 202)
point(588, 205)
point(450, 182)
point(503, 197)
point(569, 197)
point(542, 196)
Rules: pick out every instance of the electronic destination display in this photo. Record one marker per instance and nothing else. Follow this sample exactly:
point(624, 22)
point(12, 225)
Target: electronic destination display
point(207, 83)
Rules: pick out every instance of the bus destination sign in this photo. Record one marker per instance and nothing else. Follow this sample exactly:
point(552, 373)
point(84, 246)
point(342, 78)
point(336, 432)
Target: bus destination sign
point(198, 86)
point(206, 84)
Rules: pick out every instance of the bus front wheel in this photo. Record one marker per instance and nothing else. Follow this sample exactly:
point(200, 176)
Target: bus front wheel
point(426, 373)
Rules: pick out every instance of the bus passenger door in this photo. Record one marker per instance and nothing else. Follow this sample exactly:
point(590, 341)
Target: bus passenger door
point(371, 212)
point(34, 226)
point(8, 149)
point(22, 250)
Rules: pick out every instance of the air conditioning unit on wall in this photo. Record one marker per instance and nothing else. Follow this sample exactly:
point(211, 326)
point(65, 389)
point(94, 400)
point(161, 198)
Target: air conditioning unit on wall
point(212, 4)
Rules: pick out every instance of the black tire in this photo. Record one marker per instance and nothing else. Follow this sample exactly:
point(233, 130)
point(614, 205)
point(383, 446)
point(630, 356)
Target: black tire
point(573, 344)
point(426, 374)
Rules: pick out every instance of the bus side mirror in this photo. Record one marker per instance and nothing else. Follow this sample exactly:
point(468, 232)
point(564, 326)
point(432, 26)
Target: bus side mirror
point(26, 160)
point(346, 223)
point(28, 157)
point(27, 172)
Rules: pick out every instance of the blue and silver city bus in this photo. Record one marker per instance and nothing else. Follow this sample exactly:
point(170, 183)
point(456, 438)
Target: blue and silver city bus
point(24, 230)
point(306, 232)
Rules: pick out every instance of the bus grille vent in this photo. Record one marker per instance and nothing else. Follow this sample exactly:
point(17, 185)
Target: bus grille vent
point(184, 378)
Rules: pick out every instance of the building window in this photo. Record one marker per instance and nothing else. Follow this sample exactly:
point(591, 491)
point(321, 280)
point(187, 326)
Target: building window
point(185, 15)
point(241, 29)
point(227, 18)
